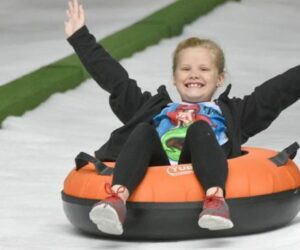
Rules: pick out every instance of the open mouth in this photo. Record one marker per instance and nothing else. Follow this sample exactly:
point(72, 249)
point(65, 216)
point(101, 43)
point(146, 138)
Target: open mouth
point(194, 85)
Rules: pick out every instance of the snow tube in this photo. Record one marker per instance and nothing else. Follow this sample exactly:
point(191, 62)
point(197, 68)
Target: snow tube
point(263, 193)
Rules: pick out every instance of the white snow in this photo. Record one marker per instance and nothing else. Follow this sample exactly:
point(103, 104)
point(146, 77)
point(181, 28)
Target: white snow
point(260, 38)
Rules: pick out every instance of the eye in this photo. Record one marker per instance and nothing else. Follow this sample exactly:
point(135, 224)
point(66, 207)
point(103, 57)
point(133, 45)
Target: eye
point(185, 69)
point(204, 69)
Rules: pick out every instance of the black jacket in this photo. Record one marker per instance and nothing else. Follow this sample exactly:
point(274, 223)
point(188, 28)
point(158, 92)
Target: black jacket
point(244, 117)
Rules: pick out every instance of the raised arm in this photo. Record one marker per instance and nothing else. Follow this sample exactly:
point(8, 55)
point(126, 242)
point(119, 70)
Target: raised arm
point(259, 109)
point(125, 96)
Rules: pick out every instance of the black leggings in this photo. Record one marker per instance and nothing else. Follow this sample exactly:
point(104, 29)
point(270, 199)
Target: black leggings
point(143, 148)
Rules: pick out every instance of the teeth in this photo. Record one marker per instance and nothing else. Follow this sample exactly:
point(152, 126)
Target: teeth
point(193, 85)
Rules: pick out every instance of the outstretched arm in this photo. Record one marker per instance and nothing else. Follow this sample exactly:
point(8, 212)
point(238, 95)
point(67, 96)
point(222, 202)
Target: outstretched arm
point(125, 96)
point(76, 17)
point(259, 109)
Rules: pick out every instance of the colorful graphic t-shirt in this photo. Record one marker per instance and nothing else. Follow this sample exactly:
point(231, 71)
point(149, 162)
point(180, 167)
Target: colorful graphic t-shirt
point(173, 121)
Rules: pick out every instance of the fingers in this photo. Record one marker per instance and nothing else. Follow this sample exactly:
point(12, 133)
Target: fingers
point(74, 8)
point(76, 17)
point(71, 8)
point(81, 13)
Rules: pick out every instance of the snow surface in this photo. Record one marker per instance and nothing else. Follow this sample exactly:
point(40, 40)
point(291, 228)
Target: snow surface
point(260, 38)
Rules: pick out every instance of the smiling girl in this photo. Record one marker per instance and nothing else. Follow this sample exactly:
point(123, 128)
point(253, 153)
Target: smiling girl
point(156, 131)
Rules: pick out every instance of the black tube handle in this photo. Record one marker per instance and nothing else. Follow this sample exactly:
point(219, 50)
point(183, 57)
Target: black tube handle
point(288, 153)
point(83, 158)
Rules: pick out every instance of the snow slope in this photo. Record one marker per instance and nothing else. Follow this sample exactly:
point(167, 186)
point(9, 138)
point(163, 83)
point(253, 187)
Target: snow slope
point(260, 38)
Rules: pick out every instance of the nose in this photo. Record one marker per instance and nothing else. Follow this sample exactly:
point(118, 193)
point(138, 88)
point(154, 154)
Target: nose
point(194, 74)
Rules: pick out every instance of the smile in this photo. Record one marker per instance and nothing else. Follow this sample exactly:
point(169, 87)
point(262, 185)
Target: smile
point(194, 85)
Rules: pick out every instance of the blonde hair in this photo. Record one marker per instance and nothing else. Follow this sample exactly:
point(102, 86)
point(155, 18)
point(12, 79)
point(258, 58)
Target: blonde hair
point(204, 43)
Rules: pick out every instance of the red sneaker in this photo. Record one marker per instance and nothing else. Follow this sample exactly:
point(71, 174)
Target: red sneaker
point(109, 214)
point(215, 214)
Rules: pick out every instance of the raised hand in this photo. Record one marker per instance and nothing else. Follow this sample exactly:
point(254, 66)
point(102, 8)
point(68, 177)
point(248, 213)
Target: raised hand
point(76, 17)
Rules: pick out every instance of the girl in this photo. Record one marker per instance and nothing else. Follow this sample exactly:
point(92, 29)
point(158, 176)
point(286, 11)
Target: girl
point(157, 131)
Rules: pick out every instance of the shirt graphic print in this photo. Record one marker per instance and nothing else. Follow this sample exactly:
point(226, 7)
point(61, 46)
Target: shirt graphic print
point(173, 121)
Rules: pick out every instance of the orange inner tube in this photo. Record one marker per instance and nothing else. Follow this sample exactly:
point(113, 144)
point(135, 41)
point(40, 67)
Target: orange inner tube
point(252, 174)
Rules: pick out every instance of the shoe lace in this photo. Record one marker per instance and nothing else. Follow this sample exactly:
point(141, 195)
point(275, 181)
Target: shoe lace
point(108, 189)
point(212, 201)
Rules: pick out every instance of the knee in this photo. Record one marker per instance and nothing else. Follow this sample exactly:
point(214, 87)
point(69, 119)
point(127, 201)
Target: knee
point(144, 128)
point(200, 128)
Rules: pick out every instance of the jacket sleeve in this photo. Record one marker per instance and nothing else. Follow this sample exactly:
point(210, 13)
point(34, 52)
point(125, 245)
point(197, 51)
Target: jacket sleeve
point(125, 96)
point(259, 109)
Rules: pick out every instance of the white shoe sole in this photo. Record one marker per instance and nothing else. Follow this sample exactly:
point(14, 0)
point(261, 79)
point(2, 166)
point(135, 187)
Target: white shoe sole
point(214, 222)
point(106, 219)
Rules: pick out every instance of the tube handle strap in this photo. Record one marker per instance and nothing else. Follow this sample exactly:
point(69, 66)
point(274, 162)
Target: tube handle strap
point(83, 159)
point(288, 153)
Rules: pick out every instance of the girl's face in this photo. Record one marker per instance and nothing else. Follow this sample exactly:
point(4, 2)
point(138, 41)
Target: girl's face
point(196, 76)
